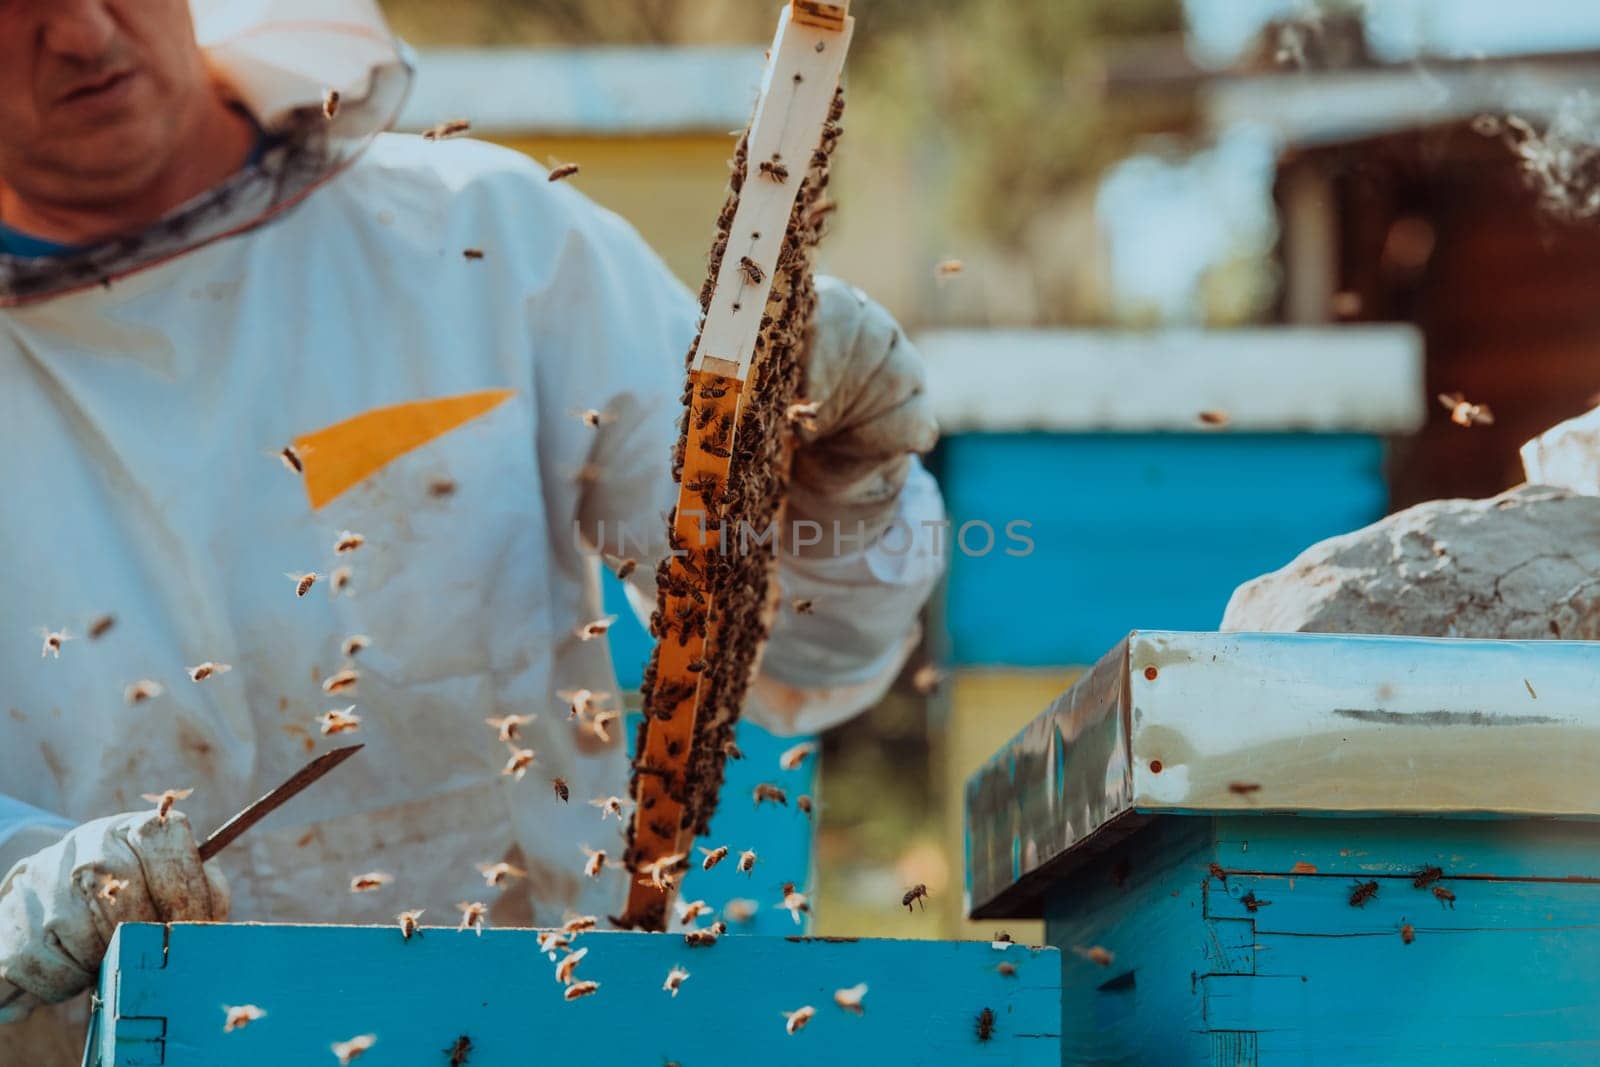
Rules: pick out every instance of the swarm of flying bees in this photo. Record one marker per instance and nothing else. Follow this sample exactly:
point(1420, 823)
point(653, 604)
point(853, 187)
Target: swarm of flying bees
point(1465, 413)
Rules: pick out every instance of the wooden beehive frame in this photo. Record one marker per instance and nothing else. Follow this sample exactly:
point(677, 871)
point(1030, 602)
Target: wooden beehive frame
point(797, 95)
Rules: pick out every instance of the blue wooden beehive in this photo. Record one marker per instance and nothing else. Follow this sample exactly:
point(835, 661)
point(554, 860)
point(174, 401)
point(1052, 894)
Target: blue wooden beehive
point(1309, 849)
point(163, 990)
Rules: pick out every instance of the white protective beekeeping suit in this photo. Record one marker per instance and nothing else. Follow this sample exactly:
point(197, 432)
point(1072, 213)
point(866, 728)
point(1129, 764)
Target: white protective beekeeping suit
point(323, 295)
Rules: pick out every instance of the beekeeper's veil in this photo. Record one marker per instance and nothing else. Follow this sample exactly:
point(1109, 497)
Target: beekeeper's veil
point(278, 58)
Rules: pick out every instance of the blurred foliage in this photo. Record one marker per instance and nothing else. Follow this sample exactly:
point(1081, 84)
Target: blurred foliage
point(1007, 102)
point(1015, 94)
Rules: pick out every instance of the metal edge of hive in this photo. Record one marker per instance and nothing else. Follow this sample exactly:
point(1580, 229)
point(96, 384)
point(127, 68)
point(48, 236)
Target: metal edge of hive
point(1063, 780)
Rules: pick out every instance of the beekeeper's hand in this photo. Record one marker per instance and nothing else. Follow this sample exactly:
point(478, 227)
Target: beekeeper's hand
point(869, 385)
point(59, 906)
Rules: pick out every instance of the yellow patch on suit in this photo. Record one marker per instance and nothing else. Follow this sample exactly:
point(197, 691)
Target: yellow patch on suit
point(339, 456)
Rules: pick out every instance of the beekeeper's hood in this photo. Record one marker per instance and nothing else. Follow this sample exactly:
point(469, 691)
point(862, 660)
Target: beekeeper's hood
point(278, 58)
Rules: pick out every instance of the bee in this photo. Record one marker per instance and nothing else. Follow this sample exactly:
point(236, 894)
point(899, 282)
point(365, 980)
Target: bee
point(372, 880)
point(1408, 933)
point(1096, 954)
point(1243, 789)
point(560, 786)
point(767, 791)
point(985, 1024)
point(408, 922)
point(675, 979)
point(339, 580)
point(792, 758)
point(948, 268)
point(718, 928)
point(341, 681)
point(509, 727)
point(774, 169)
point(1213, 417)
point(568, 965)
point(302, 582)
point(110, 886)
point(1426, 877)
point(345, 1051)
point(592, 417)
point(802, 413)
point(795, 902)
point(597, 861)
point(53, 640)
point(206, 670)
point(798, 1018)
point(752, 270)
point(713, 856)
point(446, 130)
point(1465, 413)
point(551, 941)
point(803, 605)
point(518, 762)
point(579, 923)
point(1002, 941)
point(336, 721)
point(688, 913)
point(496, 874)
point(601, 724)
point(700, 938)
point(291, 459)
point(590, 630)
point(1007, 969)
point(740, 910)
point(926, 678)
point(1252, 903)
point(850, 998)
point(348, 541)
point(608, 806)
point(142, 690)
point(1362, 892)
point(472, 253)
point(165, 799)
point(237, 1017)
point(656, 872)
point(697, 666)
point(354, 645)
point(472, 916)
point(562, 172)
point(459, 1050)
point(804, 803)
point(731, 750)
point(917, 893)
point(1444, 896)
point(626, 567)
point(101, 626)
point(747, 861)
point(580, 989)
point(440, 488)
point(330, 103)
point(1219, 874)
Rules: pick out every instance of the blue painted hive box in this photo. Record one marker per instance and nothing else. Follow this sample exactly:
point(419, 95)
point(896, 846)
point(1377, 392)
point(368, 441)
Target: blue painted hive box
point(1309, 849)
point(451, 997)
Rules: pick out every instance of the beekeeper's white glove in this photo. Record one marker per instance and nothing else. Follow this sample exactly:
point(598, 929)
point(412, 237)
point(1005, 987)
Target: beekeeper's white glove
point(59, 906)
point(870, 387)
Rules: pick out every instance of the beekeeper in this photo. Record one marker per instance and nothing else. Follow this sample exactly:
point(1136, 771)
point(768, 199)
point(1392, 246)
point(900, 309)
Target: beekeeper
point(198, 268)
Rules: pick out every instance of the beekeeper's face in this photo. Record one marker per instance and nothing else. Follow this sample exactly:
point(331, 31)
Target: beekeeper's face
point(94, 94)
